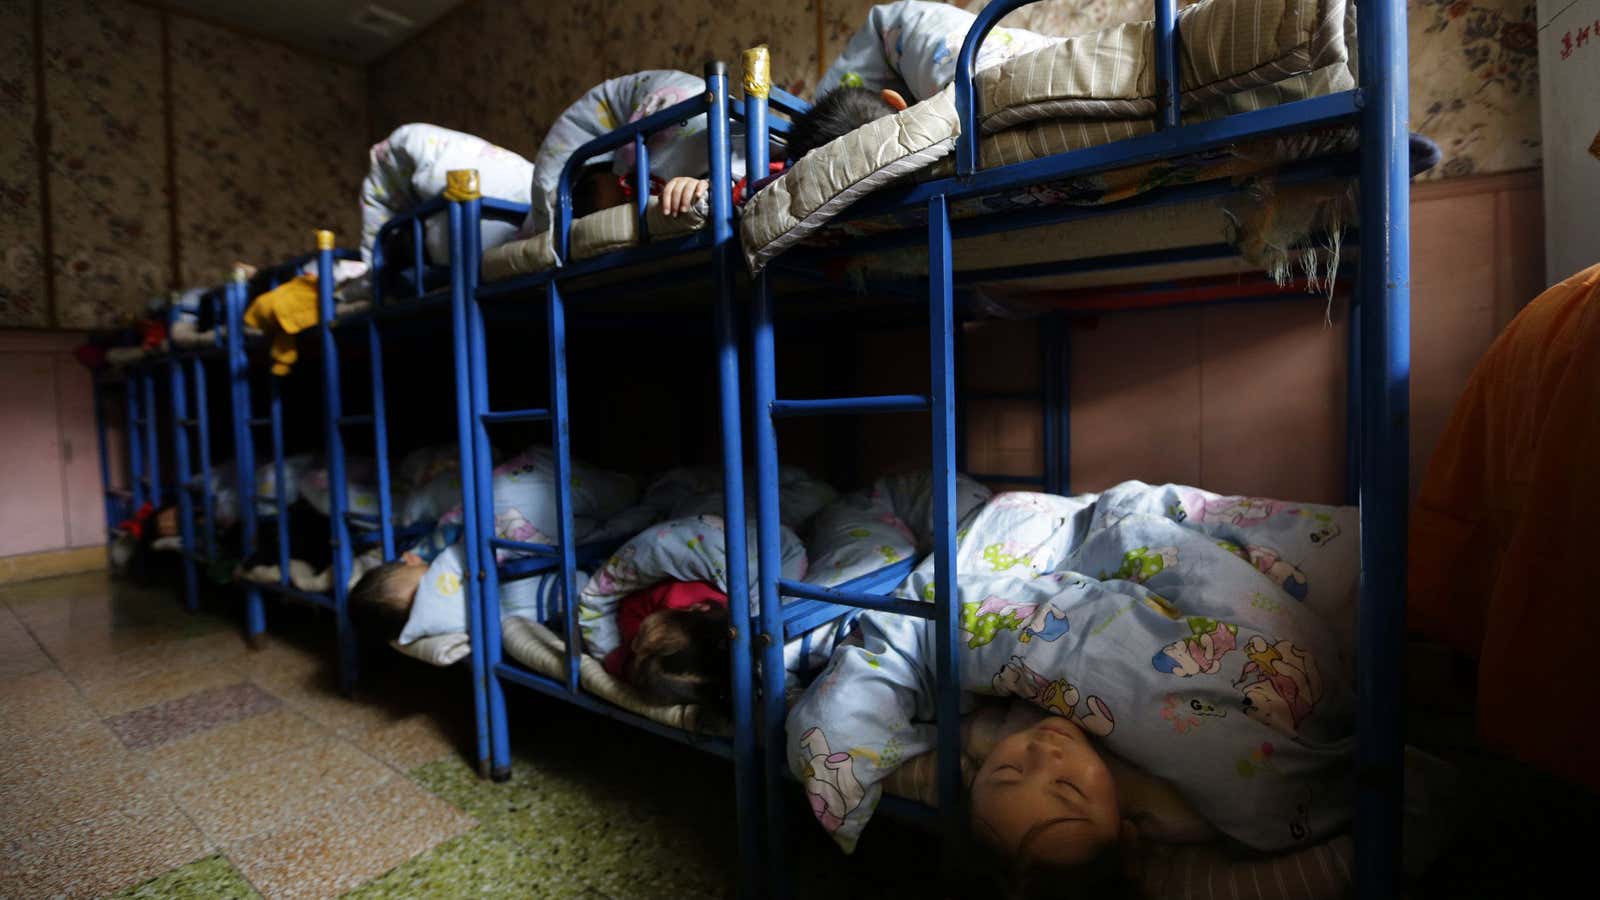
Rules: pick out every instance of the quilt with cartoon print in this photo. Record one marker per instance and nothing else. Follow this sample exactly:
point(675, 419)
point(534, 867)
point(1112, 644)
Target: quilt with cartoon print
point(1194, 635)
point(911, 46)
point(524, 490)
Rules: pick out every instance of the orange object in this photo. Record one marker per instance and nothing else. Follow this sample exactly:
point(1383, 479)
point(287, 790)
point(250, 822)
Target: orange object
point(1502, 544)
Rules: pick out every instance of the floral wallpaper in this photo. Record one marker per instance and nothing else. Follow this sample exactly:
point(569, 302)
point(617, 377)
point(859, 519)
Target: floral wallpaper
point(108, 204)
point(22, 287)
point(269, 143)
point(1474, 72)
point(521, 62)
point(1475, 83)
point(264, 159)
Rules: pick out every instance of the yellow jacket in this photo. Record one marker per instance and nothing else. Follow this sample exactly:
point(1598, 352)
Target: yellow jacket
point(284, 312)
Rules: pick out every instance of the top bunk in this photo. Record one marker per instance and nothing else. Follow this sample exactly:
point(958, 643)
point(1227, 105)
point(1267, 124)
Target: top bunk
point(637, 237)
point(1215, 141)
point(434, 196)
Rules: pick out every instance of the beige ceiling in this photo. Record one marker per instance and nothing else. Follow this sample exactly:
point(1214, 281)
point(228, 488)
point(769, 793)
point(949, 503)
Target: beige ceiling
point(353, 30)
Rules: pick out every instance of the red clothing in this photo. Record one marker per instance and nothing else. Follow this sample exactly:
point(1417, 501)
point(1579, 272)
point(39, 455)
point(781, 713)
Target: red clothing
point(635, 607)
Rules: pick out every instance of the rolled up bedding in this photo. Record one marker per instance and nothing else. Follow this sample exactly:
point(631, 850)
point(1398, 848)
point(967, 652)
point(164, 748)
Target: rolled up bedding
point(410, 166)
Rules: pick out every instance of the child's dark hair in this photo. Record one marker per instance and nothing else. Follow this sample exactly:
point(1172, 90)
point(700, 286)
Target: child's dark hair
point(835, 114)
point(588, 187)
point(682, 656)
point(373, 608)
point(996, 873)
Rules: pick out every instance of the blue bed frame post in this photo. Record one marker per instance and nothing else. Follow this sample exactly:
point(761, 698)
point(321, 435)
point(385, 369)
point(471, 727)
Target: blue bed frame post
point(202, 417)
point(130, 395)
point(280, 492)
point(941, 352)
point(488, 573)
point(1047, 408)
point(183, 476)
point(152, 433)
point(746, 767)
point(338, 487)
point(561, 440)
point(108, 497)
point(1385, 335)
point(1058, 398)
point(244, 451)
point(463, 186)
point(769, 552)
point(380, 437)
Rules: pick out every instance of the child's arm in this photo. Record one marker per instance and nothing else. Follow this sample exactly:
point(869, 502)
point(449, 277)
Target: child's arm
point(681, 193)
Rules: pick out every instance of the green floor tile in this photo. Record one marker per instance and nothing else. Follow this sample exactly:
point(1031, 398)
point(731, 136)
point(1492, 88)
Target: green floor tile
point(476, 864)
point(212, 878)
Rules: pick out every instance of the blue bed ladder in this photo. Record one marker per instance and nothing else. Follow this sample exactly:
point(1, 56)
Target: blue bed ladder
point(334, 421)
point(245, 424)
point(236, 298)
point(473, 390)
point(122, 502)
point(184, 368)
point(767, 409)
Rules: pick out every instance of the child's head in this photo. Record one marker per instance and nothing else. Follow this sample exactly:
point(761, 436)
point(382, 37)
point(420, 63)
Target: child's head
point(382, 597)
point(1045, 806)
point(596, 188)
point(837, 113)
point(681, 656)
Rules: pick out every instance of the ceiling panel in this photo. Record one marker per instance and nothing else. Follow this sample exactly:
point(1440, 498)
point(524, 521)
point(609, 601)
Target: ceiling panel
point(347, 29)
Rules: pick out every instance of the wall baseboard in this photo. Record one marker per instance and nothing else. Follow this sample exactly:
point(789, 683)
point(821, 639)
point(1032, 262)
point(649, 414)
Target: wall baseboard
point(50, 563)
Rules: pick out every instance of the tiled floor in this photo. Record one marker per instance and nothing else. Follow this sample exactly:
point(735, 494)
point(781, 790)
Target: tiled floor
point(145, 752)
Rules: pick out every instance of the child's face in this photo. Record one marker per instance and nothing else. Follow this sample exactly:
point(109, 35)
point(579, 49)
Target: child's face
point(1045, 794)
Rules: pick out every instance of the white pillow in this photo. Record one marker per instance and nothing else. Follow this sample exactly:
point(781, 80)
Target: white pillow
point(440, 606)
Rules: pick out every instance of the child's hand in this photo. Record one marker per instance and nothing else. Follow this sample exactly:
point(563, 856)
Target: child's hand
point(681, 193)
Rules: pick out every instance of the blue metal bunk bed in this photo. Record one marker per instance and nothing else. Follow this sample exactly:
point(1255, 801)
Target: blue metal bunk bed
point(1379, 343)
point(142, 421)
point(245, 425)
point(425, 288)
point(191, 430)
point(714, 243)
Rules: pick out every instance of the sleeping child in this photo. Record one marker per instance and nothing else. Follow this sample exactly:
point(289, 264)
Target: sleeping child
point(423, 589)
point(675, 635)
point(1142, 622)
point(677, 154)
point(906, 52)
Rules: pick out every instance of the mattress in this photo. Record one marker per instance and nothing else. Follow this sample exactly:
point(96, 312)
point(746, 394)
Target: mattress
point(1084, 91)
point(1137, 235)
point(593, 235)
point(539, 649)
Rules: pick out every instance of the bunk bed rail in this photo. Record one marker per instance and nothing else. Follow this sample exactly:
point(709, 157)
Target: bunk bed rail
point(412, 223)
point(634, 134)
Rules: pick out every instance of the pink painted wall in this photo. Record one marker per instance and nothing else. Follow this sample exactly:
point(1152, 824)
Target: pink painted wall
point(1246, 398)
point(48, 458)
